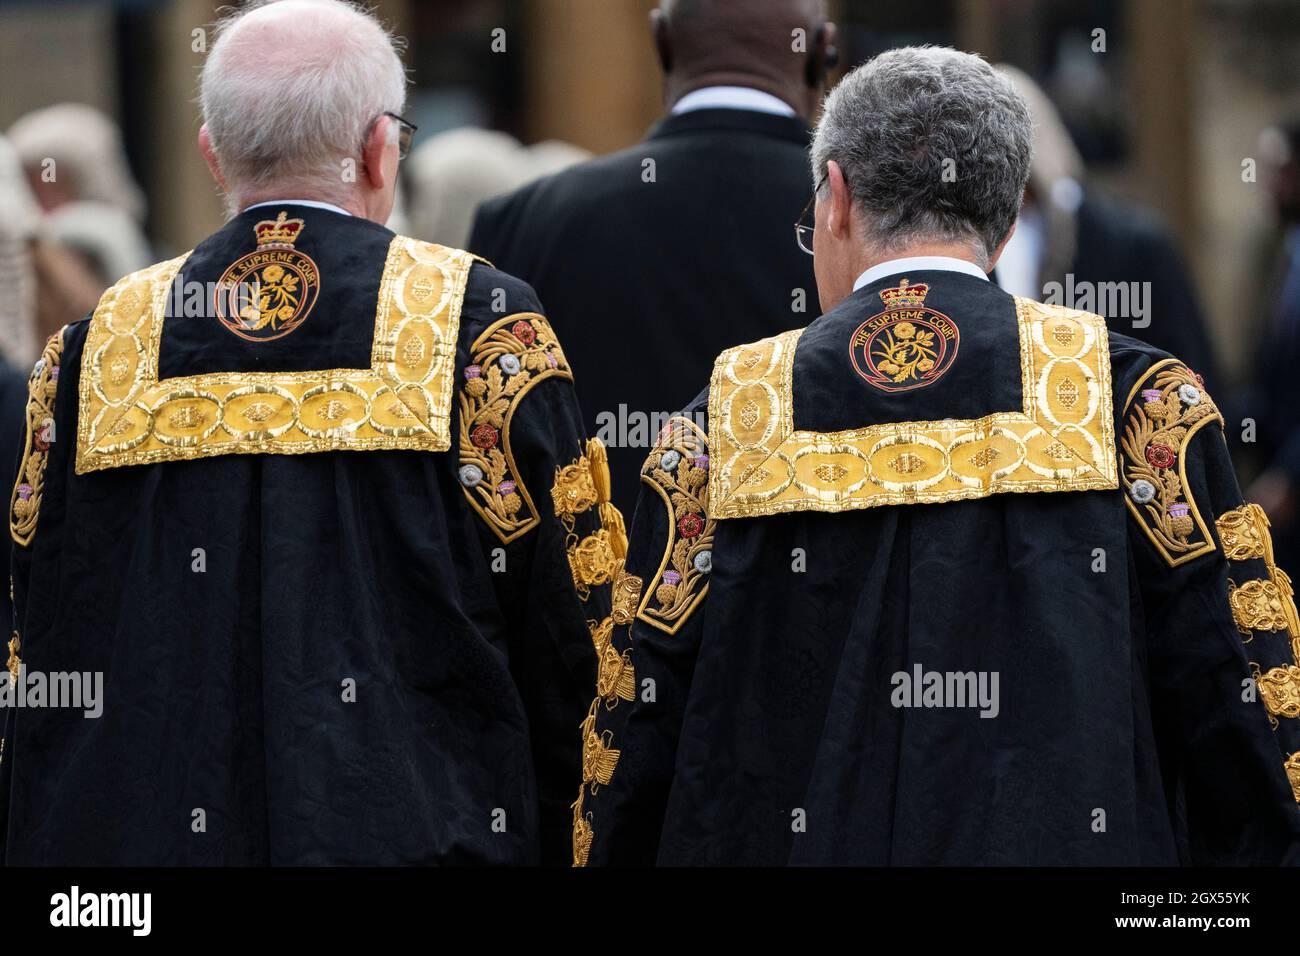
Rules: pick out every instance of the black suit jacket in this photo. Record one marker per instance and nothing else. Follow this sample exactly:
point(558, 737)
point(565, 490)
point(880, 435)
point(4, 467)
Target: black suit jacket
point(1122, 242)
point(653, 260)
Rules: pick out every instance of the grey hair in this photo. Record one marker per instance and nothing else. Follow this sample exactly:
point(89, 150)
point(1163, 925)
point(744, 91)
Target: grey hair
point(935, 146)
point(297, 113)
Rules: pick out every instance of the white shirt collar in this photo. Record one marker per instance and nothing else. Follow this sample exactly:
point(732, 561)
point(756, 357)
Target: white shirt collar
point(918, 264)
point(299, 202)
point(732, 98)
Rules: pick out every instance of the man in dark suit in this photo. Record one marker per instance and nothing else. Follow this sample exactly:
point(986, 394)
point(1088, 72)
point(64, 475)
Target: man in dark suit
point(653, 259)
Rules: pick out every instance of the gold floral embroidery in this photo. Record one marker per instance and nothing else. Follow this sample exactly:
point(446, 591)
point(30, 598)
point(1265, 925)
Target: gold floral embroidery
point(1280, 689)
point(678, 471)
point(127, 416)
point(1244, 533)
point(1173, 407)
point(599, 759)
point(1062, 439)
point(508, 360)
point(42, 386)
point(626, 596)
point(1292, 766)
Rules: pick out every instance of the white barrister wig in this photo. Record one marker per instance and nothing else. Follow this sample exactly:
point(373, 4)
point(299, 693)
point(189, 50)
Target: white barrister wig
point(451, 173)
point(86, 146)
point(110, 241)
point(19, 217)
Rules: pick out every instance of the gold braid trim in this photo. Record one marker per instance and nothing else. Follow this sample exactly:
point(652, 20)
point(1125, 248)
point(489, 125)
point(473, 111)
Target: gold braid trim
point(678, 471)
point(42, 386)
point(1293, 773)
point(1244, 533)
point(1264, 605)
point(583, 833)
point(599, 759)
point(626, 596)
point(1158, 428)
point(1280, 690)
point(508, 360)
point(15, 662)
point(591, 561)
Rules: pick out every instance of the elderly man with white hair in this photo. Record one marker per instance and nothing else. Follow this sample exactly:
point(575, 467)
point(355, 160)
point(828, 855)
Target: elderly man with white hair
point(949, 576)
point(308, 514)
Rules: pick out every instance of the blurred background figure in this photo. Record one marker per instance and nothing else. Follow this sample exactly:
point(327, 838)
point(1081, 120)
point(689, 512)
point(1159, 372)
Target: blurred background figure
point(19, 216)
point(653, 260)
point(451, 173)
point(87, 232)
point(1272, 397)
point(1074, 234)
point(73, 152)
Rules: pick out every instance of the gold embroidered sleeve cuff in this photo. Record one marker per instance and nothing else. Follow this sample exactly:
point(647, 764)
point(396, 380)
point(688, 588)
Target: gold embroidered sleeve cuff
point(678, 471)
point(29, 488)
point(1165, 409)
point(508, 360)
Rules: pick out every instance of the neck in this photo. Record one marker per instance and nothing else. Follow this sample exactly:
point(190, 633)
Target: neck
point(950, 250)
point(796, 95)
point(245, 198)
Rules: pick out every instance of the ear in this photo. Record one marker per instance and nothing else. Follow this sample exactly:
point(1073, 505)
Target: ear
point(372, 152)
point(210, 157)
point(997, 253)
point(839, 204)
point(663, 45)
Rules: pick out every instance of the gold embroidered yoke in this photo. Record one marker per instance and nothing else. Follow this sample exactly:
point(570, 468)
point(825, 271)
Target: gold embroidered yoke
point(129, 415)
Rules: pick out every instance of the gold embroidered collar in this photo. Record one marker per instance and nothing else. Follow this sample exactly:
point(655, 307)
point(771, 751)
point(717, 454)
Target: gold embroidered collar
point(1063, 439)
point(127, 416)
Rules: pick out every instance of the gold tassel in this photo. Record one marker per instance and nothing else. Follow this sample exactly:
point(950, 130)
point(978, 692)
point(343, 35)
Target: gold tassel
point(599, 460)
point(611, 519)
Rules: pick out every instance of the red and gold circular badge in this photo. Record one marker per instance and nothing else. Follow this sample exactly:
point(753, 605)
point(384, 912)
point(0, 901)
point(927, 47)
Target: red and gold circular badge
point(268, 293)
point(907, 346)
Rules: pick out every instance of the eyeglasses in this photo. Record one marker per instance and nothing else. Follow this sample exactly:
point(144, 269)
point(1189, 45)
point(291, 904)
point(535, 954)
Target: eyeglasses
point(806, 224)
point(405, 133)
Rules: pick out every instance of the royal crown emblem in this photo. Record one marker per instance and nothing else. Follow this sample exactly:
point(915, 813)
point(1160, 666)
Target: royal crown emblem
point(908, 345)
point(269, 292)
point(277, 233)
point(905, 296)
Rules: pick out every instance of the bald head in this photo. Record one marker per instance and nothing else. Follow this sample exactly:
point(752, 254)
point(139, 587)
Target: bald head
point(291, 90)
point(778, 46)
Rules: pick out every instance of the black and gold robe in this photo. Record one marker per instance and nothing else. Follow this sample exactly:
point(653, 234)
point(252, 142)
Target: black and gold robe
point(861, 524)
point(312, 537)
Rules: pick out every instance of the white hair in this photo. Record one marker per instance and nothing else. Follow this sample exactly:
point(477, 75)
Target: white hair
point(934, 145)
point(291, 88)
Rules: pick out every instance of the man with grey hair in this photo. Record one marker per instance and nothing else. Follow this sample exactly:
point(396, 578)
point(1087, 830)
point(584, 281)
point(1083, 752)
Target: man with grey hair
point(314, 500)
point(949, 576)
